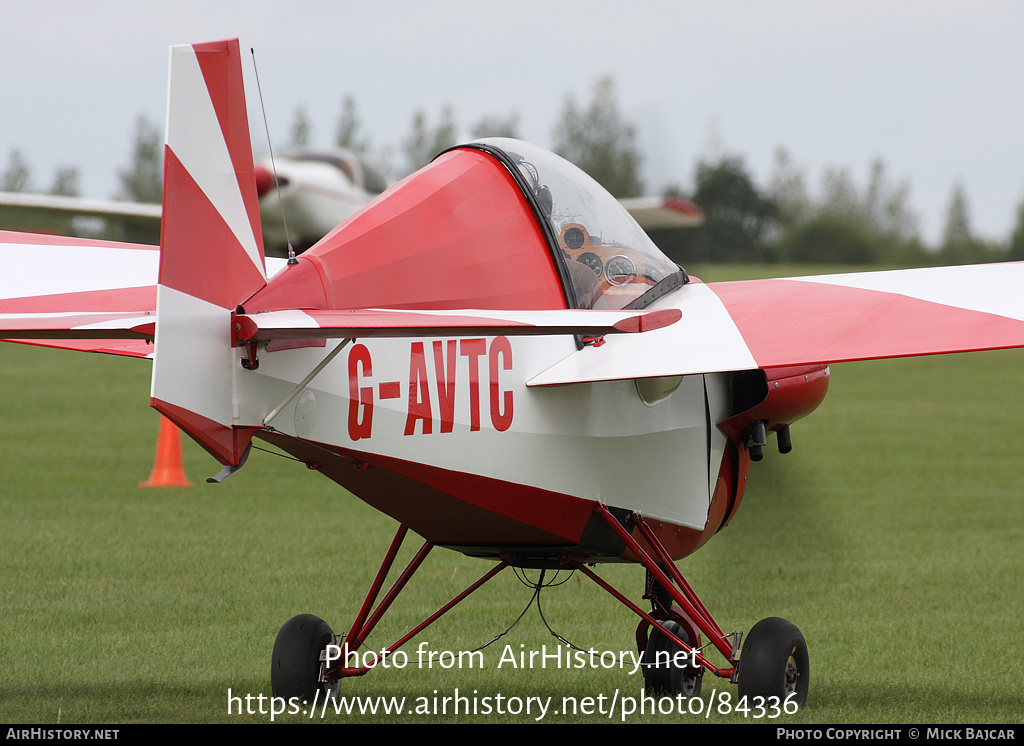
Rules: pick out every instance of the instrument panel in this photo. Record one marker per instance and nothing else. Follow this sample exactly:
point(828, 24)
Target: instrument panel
point(615, 266)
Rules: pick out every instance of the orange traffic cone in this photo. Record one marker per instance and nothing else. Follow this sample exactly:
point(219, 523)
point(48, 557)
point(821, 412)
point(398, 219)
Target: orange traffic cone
point(167, 470)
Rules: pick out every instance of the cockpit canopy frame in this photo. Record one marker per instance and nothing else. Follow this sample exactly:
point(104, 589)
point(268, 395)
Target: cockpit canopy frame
point(604, 258)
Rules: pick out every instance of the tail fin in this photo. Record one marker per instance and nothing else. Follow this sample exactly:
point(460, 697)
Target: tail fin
point(211, 245)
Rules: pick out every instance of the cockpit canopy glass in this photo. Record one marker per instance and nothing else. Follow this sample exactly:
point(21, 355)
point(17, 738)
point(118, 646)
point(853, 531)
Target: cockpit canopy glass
point(606, 258)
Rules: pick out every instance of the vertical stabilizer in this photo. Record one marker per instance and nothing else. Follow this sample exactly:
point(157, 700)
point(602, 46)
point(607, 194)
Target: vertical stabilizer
point(211, 246)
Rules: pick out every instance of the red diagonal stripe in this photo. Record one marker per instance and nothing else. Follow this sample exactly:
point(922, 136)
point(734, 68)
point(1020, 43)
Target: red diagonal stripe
point(221, 66)
point(201, 255)
point(118, 299)
point(786, 322)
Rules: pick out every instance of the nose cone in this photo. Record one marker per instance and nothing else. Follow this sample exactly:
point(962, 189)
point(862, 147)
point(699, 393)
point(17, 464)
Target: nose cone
point(265, 180)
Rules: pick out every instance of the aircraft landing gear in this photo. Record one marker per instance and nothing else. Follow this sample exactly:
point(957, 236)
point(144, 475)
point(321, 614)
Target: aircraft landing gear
point(300, 666)
point(296, 669)
point(670, 638)
point(664, 673)
point(774, 662)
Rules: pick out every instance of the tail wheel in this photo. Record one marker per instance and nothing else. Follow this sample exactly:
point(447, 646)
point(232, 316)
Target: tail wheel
point(774, 662)
point(663, 673)
point(295, 669)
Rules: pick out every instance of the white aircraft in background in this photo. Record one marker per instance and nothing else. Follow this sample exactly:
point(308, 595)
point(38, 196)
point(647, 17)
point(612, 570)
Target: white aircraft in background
point(305, 194)
point(312, 191)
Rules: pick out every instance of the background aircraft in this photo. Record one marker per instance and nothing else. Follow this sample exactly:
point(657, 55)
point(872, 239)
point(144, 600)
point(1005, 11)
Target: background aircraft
point(111, 220)
point(312, 192)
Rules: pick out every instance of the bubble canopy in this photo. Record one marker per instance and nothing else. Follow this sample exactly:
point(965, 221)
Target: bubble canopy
point(604, 257)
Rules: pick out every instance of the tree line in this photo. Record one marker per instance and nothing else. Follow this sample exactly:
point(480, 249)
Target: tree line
point(844, 224)
point(779, 221)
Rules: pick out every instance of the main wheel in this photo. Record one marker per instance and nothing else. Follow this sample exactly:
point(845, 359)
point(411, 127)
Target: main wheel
point(295, 670)
point(774, 662)
point(663, 674)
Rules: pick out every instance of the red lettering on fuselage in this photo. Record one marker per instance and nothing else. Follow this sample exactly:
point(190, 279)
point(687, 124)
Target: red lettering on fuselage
point(419, 392)
point(444, 374)
point(501, 401)
point(360, 398)
point(472, 349)
point(424, 389)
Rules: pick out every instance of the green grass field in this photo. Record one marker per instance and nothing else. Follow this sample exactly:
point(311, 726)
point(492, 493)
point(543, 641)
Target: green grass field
point(893, 536)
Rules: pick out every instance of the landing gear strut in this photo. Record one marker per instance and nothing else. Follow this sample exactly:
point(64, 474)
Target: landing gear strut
point(299, 667)
point(773, 664)
point(774, 660)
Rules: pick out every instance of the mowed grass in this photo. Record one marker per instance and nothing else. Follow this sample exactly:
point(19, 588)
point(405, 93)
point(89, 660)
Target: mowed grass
point(892, 536)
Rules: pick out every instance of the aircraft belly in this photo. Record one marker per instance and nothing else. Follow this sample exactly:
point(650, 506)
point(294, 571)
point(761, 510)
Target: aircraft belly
point(462, 405)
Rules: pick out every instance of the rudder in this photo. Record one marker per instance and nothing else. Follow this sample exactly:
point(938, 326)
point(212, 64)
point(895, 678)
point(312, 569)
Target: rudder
point(211, 246)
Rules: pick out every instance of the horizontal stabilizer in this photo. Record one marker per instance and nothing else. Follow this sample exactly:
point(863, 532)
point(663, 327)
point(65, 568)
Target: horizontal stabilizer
point(86, 325)
point(78, 294)
point(392, 323)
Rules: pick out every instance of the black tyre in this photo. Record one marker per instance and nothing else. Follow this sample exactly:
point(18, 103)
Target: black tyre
point(663, 674)
point(774, 662)
point(295, 670)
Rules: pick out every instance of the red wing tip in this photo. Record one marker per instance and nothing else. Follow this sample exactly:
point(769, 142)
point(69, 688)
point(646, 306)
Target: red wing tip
point(684, 206)
point(649, 321)
point(146, 330)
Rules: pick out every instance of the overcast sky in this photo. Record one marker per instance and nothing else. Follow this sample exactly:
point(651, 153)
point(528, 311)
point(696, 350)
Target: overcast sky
point(932, 87)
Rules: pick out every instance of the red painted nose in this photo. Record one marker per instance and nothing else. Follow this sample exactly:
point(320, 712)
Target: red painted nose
point(264, 180)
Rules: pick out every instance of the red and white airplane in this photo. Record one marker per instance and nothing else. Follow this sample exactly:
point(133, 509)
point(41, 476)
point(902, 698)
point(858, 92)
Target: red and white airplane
point(449, 352)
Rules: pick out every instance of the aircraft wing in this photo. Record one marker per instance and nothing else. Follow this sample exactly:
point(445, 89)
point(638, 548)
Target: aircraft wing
point(818, 319)
point(88, 325)
point(78, 294)
point(363, 323)
point(80, 216)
